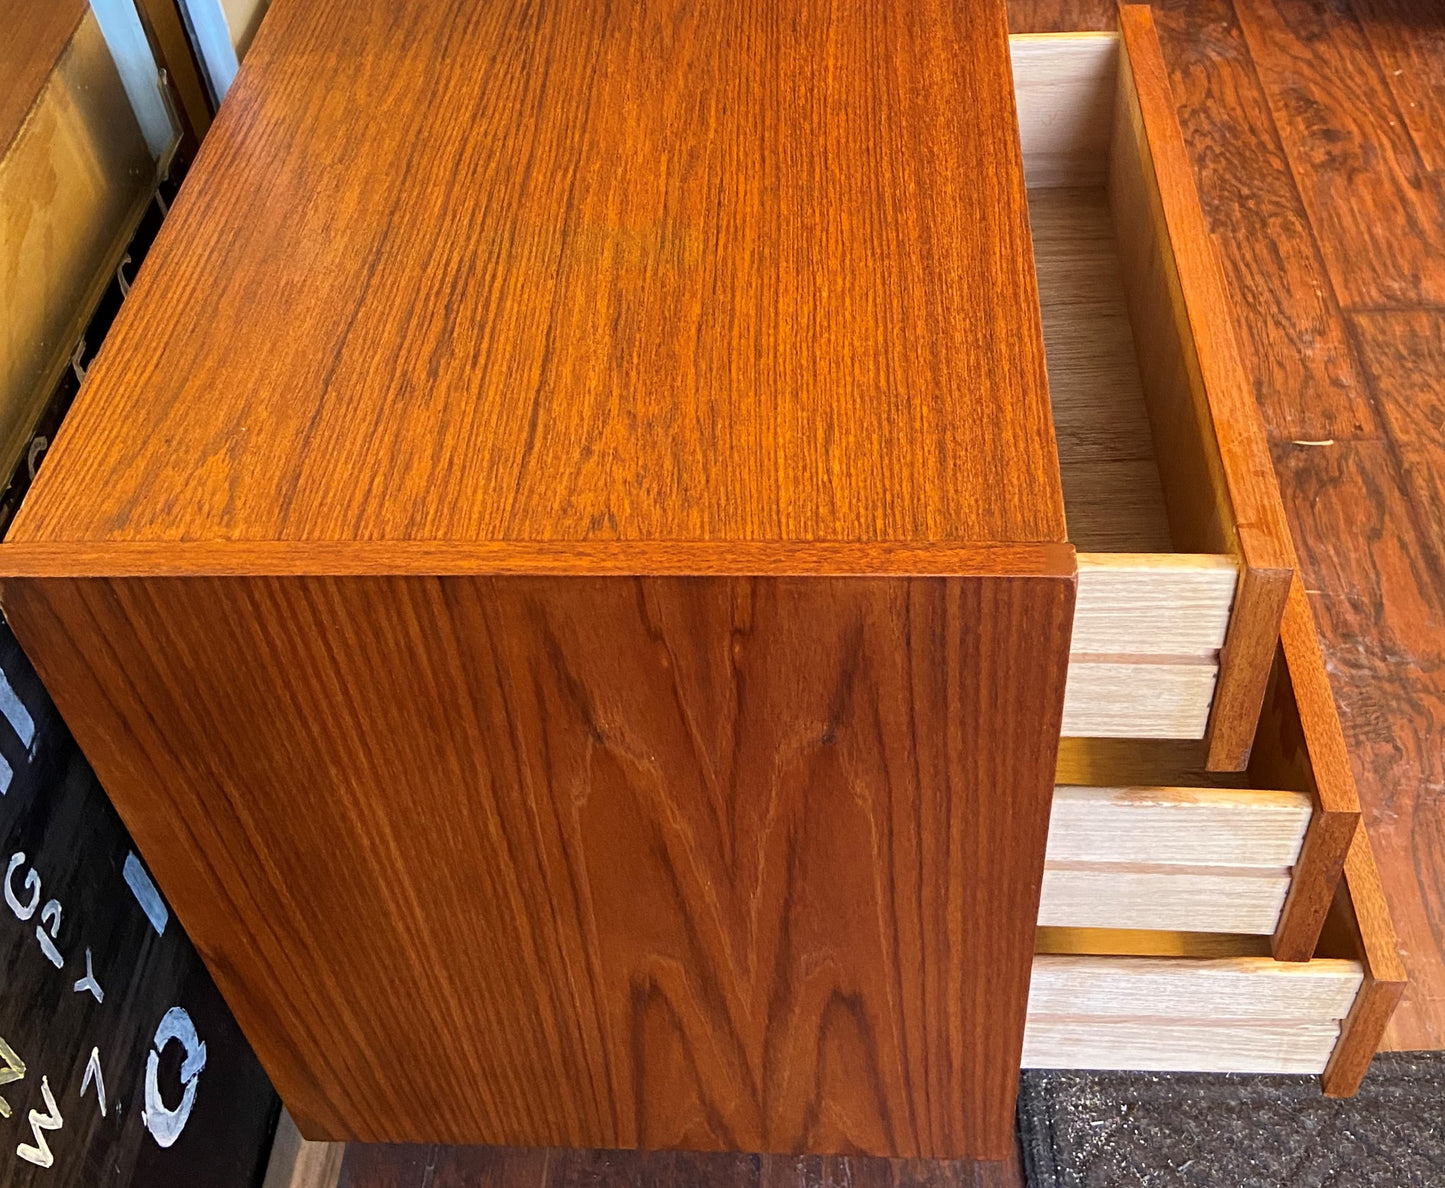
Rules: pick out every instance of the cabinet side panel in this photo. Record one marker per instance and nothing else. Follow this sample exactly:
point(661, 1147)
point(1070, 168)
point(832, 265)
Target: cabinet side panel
point(719, 863)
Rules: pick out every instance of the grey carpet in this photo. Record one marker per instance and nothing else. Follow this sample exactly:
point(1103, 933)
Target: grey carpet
point(1121, 1130)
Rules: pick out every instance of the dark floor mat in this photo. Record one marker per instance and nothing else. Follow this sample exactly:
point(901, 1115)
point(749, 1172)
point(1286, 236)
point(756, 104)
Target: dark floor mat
point(1119, 1130)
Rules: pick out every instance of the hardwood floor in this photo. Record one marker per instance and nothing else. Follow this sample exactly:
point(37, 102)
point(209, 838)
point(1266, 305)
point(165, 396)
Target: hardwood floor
point(1306, 378)
point(1376, 213)
point(380, 1166)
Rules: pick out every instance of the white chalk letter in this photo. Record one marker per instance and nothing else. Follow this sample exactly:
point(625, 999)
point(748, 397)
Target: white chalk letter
point(40, 1154)
point(165, 1123)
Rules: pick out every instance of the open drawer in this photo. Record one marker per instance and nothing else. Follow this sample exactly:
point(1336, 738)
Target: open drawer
point(1141, 836)
point(1189, 1002)
point(1184, 555)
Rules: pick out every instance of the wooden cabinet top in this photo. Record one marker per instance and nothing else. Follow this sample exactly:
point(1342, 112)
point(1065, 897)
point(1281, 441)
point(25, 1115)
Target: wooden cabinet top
point(653, 270)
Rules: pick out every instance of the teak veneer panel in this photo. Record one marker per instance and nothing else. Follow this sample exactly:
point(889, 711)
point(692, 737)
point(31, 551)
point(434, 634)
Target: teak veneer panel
point(658, 270)
point(1209, 440)
point(1359, 928)
point(710, 862)
point(1299, 746)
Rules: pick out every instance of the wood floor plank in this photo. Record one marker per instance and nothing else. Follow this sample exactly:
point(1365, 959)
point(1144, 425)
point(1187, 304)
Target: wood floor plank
point(378, 1165)
point(1290, 329)
point(818, 1171)
point(860, 1172)
point(385, 1165)
point(503, 1167)
point(1404, 356)
point(1378, 216)
point(1061, 16)
point(1378, 596)
point(1408, 37)
point(638, 1169)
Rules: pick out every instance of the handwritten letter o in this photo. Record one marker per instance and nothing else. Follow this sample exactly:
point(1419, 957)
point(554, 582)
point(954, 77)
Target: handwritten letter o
point(165, 1123)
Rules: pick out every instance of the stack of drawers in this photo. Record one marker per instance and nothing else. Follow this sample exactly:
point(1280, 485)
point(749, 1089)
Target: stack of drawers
point(1208, 903)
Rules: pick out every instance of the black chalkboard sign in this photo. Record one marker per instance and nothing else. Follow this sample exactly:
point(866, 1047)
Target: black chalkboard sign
point(120, 1064)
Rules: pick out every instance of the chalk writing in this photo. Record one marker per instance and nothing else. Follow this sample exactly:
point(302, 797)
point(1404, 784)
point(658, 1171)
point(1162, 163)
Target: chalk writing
point(16, 713)
point(145, 893)
point(88, 982)
point(12, 1068)
point(40, 1154)
point(23, 911)
point(92, 1072)
point(50, 912)
point(164, 1122)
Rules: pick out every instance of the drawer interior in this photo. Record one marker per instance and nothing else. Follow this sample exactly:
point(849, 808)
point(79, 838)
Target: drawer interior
point(1145, 496)
point(1142, 836)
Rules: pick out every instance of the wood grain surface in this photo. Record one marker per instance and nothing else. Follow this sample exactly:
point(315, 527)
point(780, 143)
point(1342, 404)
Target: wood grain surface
point(1403, 353)
point(1408, 40)
point(281, 558)
point(1112, 494)
point(1361, 929)
point(1201, 988)
point(1063, 96)
point(1302, 179)
point(1306, 79)
point(1387, 610)
point(1377, 597)
point(1375, 210)
point(1139, 696)
point(1299, 747)
point(383, 1166)
point(1306, 380)
point(1192, 826)
point(704, 862)
point(32, 38)
point(665, 271)
point(1063, 16)
point(1168, 1045)
point(1162, 895)
point(1188, 354)
point(1162, 604)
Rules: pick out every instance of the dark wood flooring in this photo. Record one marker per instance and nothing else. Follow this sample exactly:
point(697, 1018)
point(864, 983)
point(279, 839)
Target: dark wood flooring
point(373, 1166)
point(1317, 129)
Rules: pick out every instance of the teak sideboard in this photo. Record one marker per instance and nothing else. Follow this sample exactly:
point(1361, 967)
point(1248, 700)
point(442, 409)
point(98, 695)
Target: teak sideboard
point(566, 564)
